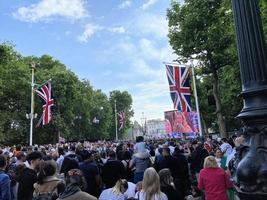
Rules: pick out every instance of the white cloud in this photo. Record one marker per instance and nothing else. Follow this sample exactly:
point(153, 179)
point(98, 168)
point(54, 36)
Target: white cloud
point(119, 29)
point(90, 29)
point(125, 4)
point(148, 4)
point(47, 9)
point(151, 25)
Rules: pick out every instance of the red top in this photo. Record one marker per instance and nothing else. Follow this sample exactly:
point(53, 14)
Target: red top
point(214, 181)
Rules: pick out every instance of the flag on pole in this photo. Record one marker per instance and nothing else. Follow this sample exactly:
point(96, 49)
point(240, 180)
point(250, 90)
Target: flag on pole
point(121, 118)
point(44, 92)
point(178, 78)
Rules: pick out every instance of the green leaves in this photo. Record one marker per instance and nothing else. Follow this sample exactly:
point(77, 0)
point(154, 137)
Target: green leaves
point(204, 30)
point(76, 102)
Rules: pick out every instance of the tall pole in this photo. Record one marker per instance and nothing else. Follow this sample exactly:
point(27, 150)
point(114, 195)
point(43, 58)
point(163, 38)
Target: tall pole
point(252, 53)
point(116, 121)
point(196, 100)
point(32, 103)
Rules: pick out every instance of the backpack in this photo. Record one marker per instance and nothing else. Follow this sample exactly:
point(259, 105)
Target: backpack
point(53, 195)
point(44, 196)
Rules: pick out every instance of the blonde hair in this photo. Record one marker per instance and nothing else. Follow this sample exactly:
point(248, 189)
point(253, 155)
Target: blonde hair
point(117, 189)
point(151, 183)
point(210, 162)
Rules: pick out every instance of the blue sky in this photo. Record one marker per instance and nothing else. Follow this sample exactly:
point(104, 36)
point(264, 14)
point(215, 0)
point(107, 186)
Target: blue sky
point(116, 44)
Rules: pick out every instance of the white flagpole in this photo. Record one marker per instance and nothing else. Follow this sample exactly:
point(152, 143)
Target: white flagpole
point(116, 122)
point(32, 103)
point(196, 99)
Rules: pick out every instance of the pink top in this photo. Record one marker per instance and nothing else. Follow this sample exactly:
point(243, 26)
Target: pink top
point(214, 181)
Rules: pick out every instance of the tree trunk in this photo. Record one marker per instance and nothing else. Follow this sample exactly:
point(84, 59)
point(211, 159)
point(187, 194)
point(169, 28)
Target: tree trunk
point(220, 119)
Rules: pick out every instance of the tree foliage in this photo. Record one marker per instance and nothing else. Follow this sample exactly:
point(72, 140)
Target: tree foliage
point(204, 30)
point(123, 103)
point(76, 102)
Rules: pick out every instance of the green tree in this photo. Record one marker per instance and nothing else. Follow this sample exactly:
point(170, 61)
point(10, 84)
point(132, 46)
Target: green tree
point(203, 30)
point(14, 97)
point(263, 7)
point(123, 103)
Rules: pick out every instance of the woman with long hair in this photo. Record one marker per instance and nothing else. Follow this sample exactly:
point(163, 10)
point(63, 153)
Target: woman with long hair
point(47, 182)
point(214, 180)
point(116, 192)
point(167, 185)
point(151, 186)
point(76, 184)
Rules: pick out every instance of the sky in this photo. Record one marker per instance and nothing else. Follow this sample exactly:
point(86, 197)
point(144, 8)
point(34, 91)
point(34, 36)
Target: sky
point(115, 44)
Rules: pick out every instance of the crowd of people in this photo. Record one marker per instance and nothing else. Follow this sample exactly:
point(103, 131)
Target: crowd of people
point(105, 170)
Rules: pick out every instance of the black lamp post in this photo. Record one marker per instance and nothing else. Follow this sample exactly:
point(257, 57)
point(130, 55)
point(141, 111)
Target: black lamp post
point(252, 168)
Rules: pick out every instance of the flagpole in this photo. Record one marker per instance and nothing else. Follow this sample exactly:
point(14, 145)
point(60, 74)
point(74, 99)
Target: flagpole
point(32, 103)
point(196, 99)
point(116, 125)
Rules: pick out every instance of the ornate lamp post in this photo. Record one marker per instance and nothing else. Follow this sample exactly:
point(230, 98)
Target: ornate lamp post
point(252, 168)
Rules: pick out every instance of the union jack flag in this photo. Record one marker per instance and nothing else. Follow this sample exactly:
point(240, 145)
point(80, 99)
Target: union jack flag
point(178, 77)
point(121, 119)
point(44, 92)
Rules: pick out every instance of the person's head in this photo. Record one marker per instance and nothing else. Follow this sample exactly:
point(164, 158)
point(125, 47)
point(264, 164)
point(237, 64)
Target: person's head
point(210, 162)
point(112, 155)
point(127, 155)
point(138, 186)
point(34, 158)
point(47, 168)
point(151, 183)
point(68, 164)
point(60, 151)
point(86, 155)
point(165, 177)
point(218, 153)
point(3, 162)
point(195, 144)
point(166, 151)
point(18, 147)
point(139, 139)
point(75, 177)
point(21, 156)
point(120, 187)
point(224, 140)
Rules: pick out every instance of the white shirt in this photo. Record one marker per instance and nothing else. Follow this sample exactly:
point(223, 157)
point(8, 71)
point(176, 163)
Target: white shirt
point(130, 192)
point(109, 195)
point(142, 196)
point(230, 157)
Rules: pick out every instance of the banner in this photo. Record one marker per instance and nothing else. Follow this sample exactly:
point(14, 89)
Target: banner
point(177, 122)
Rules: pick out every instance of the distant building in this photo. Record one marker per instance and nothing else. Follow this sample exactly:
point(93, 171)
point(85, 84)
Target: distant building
point(134, 131)
point(155, 128)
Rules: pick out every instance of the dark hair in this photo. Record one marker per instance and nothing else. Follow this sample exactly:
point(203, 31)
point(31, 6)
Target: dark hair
point(18, 147)
point(60, 151)
point(224, 140)
point(48, 168)
point(72, 148)
point(85, 154)
point(20, 155)
point(112, 154)
point(2, 161)
point(68, 164)
point(139, 139)
point(127, 155)
point(167, 149)
point(34, 156)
